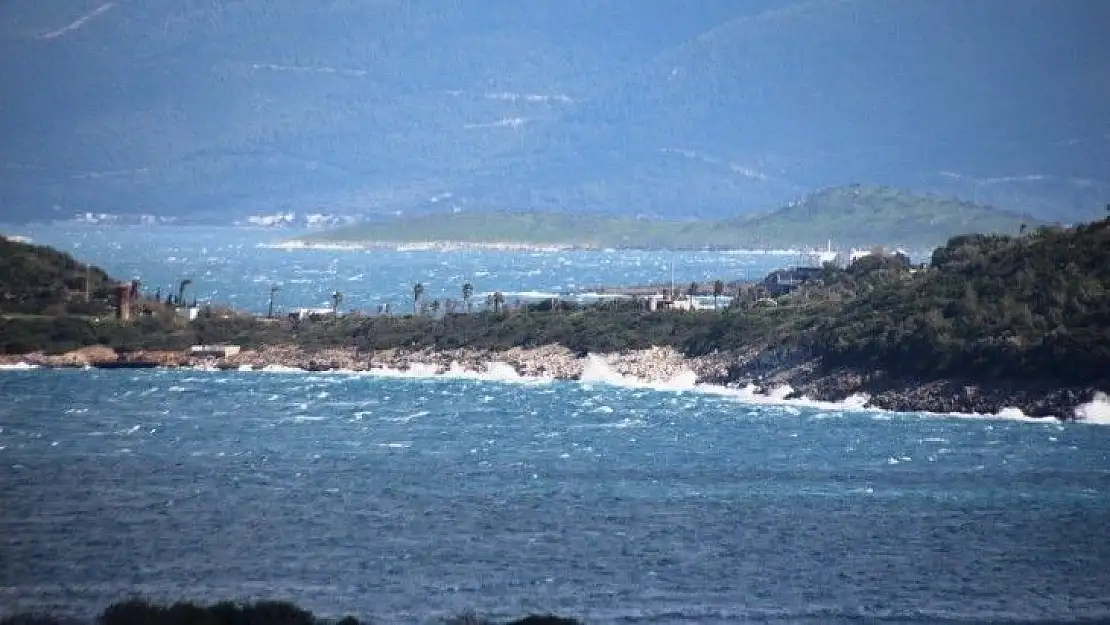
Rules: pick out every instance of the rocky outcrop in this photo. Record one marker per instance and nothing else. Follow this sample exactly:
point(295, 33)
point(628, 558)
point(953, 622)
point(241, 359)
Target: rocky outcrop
point(85, 357)
point(769, 371)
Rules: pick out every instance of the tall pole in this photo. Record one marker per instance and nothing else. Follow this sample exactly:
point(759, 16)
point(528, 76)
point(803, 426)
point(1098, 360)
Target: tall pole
point(270, 311)
point(672, 296)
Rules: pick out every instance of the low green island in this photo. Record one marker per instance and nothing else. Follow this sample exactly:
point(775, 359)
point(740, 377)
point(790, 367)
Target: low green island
point(852, 216)
point(990, 322)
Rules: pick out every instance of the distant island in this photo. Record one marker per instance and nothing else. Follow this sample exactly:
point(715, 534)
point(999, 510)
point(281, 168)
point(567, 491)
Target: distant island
point(852, 216)
point(991, 322)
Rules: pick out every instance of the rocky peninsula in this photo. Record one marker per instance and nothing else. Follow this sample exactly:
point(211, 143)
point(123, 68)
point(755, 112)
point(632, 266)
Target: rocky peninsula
point(992, 324)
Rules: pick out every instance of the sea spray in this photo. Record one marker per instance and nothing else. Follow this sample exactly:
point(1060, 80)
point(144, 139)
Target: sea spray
point(656, 372)
point(597, 370)
point(1096, 411)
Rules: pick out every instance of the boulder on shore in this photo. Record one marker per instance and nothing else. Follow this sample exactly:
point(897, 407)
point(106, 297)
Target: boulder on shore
point(84, 357)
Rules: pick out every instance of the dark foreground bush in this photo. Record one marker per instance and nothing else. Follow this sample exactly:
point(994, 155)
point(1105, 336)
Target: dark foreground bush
point(139, 612)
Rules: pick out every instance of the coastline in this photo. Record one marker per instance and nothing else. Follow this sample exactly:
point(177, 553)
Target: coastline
point(506, 246)
point(755, 376)
point(423, 246)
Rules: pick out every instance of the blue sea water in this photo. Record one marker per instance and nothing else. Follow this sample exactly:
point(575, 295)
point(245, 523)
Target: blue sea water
point(235, 266)
point(403, 499)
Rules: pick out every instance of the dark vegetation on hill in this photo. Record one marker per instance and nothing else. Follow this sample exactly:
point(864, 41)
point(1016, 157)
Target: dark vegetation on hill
point(39, 279)
point(139, 612)
point(990, 307)
point(852, 216)
point(1034, 307)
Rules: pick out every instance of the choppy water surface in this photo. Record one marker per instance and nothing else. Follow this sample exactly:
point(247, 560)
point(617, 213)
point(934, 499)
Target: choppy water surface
point(233, 266)
point(405, 498)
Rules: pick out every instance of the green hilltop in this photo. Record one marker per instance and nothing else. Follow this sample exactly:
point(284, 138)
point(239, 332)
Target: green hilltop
point(852, 216)
point(36, 279)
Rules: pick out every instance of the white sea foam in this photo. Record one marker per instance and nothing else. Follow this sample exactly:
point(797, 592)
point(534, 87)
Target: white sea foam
point(18, 366)
point(597, 371)
point(1097, 411)
point(278, 369)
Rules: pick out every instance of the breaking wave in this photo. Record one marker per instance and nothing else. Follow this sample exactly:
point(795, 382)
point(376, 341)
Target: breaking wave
point(1096, 411)
point(597, 371)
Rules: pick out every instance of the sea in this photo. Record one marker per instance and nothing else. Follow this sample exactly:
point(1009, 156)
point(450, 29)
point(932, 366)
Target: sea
point(407, 497)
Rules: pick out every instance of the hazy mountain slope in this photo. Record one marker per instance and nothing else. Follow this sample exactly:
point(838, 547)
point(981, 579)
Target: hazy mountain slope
point(203, 103)
point(184, 107)
point(881, 91)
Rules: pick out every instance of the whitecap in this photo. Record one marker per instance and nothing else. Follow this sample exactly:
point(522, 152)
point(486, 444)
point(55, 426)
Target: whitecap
point(1097, 411)
point(597, 370)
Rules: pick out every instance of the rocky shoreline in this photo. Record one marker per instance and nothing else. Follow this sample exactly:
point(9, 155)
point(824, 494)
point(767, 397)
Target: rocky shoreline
point(790, 375)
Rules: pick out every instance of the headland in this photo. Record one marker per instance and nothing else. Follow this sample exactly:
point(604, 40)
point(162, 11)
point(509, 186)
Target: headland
point(991, 324)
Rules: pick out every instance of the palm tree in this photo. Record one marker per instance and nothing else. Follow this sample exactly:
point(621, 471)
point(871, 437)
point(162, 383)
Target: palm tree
point(435, 307)
point(718, 291)
point(336, 298)
point(467, 292)
point(417, 294)
point(692, 290)
point(498, 301)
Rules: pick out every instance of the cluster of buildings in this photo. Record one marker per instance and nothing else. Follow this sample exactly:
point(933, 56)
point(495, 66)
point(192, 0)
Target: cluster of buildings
point(810, 269)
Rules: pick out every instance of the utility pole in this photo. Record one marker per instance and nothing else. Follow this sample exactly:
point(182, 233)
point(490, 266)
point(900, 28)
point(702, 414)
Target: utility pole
point(672, 293)
point(270, 310)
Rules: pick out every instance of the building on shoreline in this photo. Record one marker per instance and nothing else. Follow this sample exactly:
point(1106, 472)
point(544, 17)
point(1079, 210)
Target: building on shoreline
point(215, 351)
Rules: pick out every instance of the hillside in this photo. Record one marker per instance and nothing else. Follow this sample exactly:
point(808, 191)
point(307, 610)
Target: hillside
point(864, 216)
point(214, 110)
point(36, 279)
point(849, 216)
point(920, 95)
point(1035, 307)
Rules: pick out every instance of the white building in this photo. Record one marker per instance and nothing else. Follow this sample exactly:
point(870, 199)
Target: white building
point(307, 313)
point(216, 351)
point(665, 302)
point(189, 313)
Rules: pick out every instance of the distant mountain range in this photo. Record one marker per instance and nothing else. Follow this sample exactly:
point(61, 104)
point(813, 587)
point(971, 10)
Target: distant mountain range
point(217, 110)
point(846, 217)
